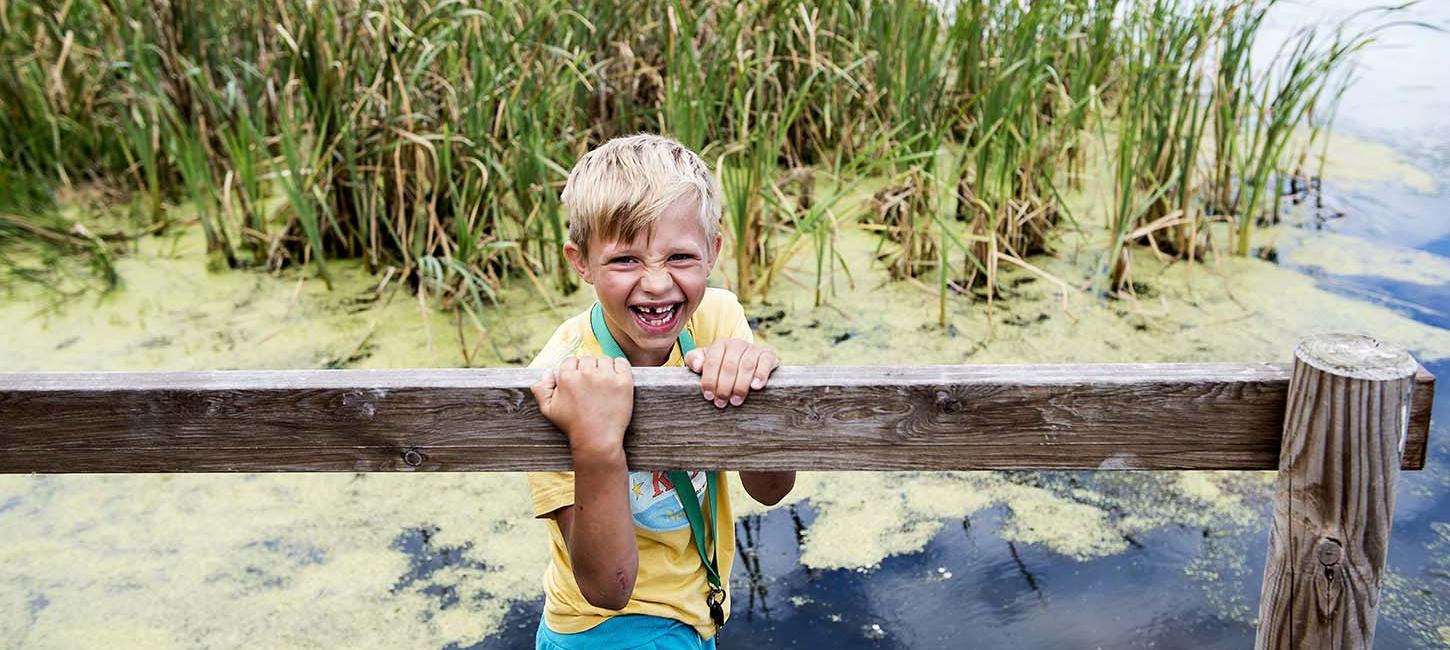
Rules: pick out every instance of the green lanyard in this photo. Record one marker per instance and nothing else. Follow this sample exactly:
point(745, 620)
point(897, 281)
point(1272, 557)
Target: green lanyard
point(677, 478)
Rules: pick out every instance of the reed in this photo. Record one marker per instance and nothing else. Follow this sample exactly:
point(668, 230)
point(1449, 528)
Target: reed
point(431, 137)
point(1306, 75)
point(1160, 125)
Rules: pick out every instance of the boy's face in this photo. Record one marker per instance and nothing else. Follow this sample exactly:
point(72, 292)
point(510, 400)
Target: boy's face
point(650, 286)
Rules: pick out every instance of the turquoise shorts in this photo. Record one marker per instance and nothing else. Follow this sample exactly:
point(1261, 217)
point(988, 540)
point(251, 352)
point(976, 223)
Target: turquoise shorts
point(626, 632)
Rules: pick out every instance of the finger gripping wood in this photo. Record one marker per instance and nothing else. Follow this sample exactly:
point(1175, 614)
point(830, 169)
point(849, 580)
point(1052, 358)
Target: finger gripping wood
point(1344, 427)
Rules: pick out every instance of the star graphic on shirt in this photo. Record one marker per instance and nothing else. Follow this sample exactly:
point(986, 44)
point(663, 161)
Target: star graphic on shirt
point(639, 489)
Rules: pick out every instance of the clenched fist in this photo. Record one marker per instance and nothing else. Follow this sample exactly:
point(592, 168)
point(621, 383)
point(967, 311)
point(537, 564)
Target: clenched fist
point(591, 400)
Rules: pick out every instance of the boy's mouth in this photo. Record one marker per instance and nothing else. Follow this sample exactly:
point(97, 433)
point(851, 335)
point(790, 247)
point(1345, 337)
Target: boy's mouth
point(656, 319)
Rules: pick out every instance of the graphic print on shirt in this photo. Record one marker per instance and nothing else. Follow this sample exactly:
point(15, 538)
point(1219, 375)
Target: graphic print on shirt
point(653, 503)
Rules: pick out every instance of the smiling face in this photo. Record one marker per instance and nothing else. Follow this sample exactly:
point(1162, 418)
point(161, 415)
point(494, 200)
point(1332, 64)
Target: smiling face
point(650, 286)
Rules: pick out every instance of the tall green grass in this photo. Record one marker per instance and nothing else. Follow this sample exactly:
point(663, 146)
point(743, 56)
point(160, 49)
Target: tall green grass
point(431, 137)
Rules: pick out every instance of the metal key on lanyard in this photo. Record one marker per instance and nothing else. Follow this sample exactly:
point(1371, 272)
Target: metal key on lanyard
point(716, 600)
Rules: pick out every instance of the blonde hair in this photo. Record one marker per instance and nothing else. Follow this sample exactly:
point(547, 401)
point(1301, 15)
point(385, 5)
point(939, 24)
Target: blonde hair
point(620, 188)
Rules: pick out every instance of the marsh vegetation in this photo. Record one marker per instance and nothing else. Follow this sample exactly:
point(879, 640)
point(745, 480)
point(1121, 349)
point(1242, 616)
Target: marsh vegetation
point(429, 138)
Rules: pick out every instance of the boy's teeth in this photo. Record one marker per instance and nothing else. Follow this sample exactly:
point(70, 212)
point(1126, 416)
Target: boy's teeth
point(656, 315)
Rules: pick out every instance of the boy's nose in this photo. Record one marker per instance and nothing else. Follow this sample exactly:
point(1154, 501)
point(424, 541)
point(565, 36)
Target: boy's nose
point(656, 280)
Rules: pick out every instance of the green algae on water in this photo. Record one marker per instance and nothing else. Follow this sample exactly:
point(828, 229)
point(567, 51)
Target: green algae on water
point(1337, 254)
point(1234, 309)
point(862, 518)
point(1357, 163)
point(1422, 602)
point(334, 560)
point(171, 313)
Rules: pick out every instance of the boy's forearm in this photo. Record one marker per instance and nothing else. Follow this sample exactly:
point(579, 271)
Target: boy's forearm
point(602, 547)
point(768, 487)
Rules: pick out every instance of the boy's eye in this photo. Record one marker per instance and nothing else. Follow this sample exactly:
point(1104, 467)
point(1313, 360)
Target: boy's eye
point(622, 259)
point(682, 257)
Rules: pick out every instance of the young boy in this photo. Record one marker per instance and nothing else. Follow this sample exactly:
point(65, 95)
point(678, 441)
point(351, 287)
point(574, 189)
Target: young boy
point(634, 564)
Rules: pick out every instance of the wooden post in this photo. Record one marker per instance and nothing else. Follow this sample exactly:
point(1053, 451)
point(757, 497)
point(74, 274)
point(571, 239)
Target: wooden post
point(1344, 432)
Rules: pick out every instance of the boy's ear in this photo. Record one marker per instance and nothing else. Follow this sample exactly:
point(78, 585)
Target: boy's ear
point(715, 250)
point(579, 261)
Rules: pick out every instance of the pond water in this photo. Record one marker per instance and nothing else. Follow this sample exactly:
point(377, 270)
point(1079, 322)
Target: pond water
point(853, 560)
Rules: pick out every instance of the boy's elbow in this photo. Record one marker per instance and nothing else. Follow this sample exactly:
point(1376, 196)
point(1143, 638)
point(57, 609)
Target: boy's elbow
point(612, 603)
point(612, 593)
point(768, 488)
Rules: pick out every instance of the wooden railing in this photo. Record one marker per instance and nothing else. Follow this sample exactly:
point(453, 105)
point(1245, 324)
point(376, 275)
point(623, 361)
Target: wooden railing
point(1338, 424)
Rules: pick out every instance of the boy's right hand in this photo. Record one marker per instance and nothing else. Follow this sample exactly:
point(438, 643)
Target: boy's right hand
point(591, 400)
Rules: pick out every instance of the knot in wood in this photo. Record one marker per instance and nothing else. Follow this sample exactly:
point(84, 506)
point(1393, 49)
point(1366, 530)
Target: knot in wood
point(946, 403)
point(413, 457)
point(358, 403)
point(1329, 552)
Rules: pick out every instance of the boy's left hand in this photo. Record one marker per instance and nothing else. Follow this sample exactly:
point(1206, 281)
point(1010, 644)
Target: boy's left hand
point(730, 369)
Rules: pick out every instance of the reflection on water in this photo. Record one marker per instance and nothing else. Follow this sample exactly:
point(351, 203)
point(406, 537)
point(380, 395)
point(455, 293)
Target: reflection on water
point(1402, 87)
point(971, 588)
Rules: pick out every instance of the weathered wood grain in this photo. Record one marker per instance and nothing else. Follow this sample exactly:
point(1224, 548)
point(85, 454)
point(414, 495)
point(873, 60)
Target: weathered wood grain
point(1100, 416)
point(1334, 501)
point(1421, 403)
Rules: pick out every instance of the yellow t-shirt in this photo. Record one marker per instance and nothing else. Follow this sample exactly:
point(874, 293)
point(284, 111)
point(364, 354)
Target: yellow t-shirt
point(671, 580)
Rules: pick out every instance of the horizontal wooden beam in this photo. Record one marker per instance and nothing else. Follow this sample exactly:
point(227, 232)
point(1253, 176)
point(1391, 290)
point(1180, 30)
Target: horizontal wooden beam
point(1100, 416)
